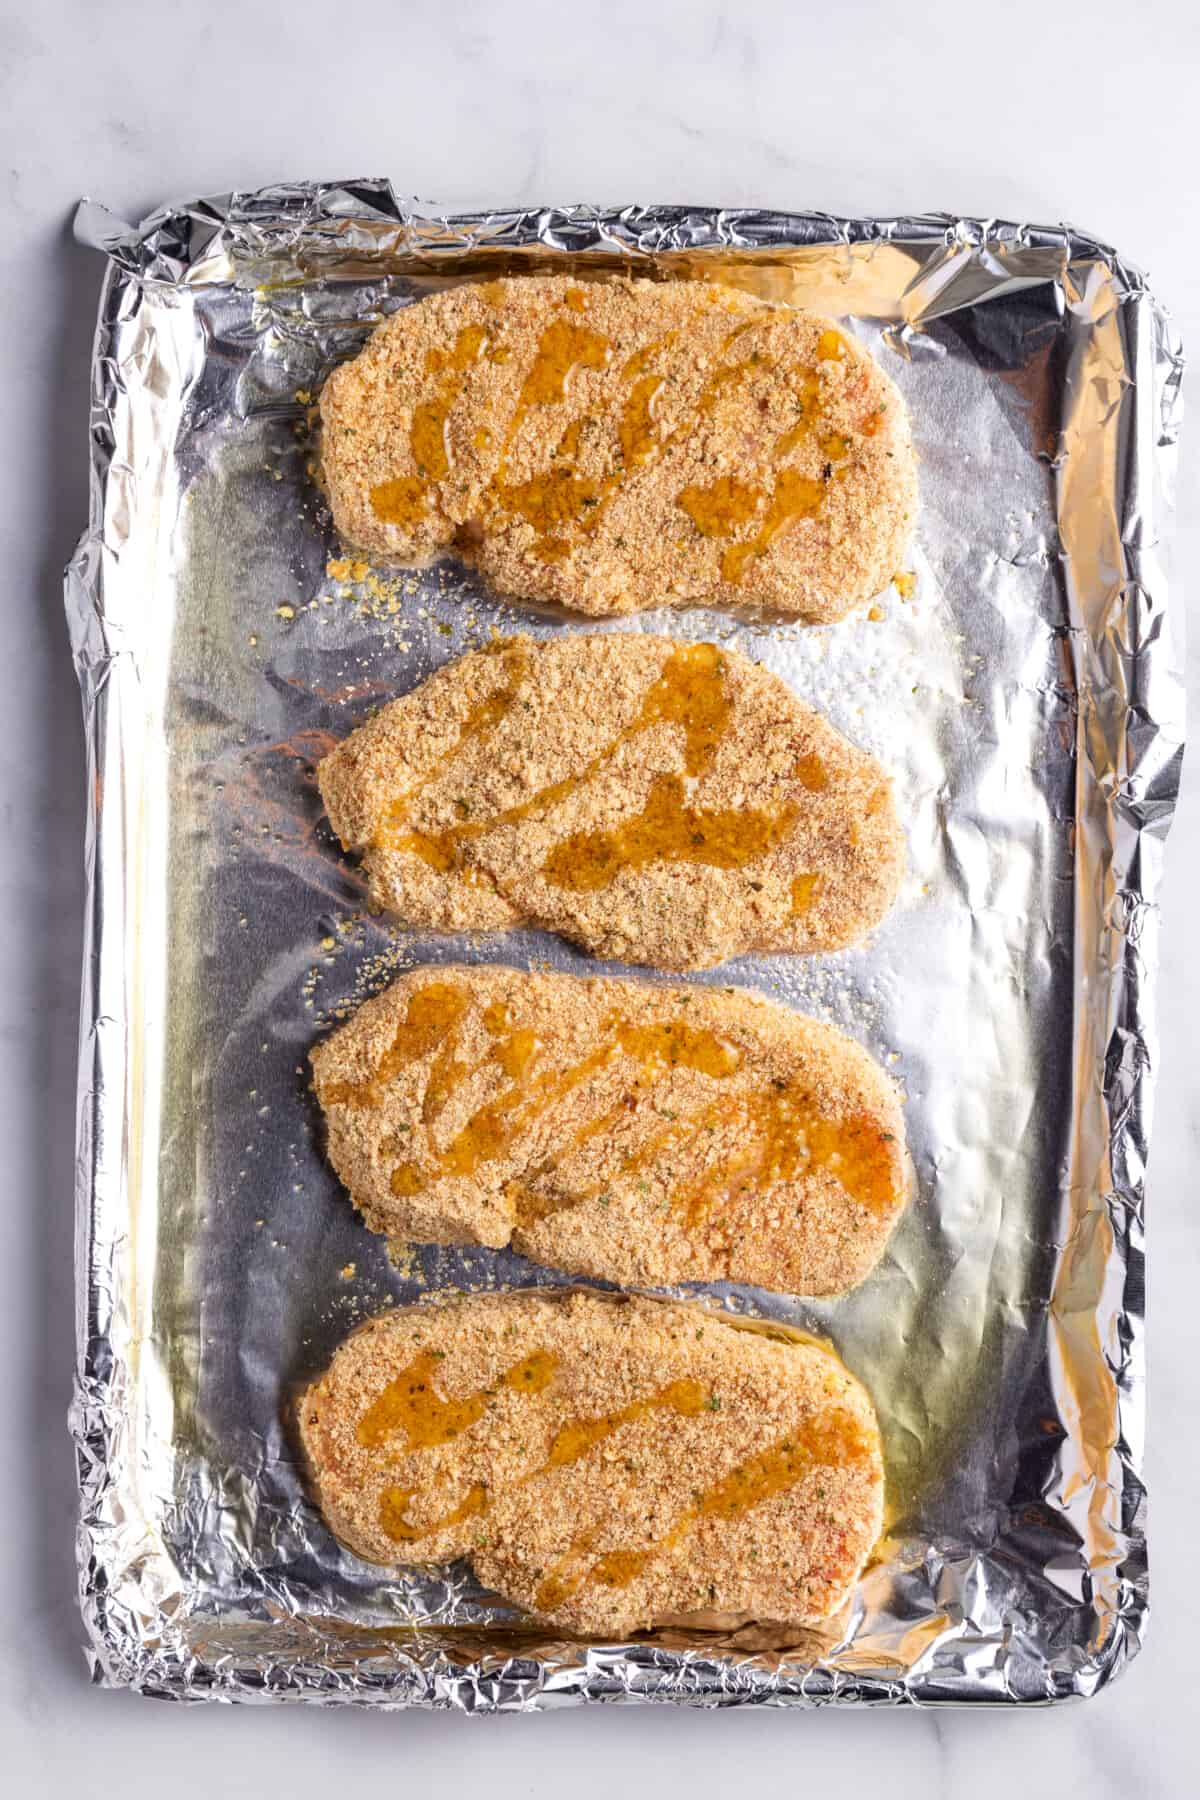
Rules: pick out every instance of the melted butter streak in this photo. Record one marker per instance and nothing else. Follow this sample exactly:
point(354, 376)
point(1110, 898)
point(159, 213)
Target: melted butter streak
point(832, 1440)
point(429, 1015)
point(781, 1133)
point(495, 1127)
point(410, 1405)
point(667, 830)
point(690, 693)
point(559, 496)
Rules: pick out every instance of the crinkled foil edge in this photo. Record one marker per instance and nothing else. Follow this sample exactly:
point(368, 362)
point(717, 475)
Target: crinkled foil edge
point(1126, 656)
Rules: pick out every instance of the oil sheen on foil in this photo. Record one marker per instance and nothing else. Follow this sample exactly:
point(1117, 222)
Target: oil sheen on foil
point(1026, 696)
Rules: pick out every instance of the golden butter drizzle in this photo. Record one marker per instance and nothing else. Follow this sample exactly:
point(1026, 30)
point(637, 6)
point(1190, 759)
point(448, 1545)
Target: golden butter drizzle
point(722, 507)
point(794, 497)
point(781, 1134)
point(410, 1405)
point(667, 830)
point(428, 431)
point(438, 850)
point(563, 346)
point(431, 1012)
point(560, 496)
point(691, 692)
point(835, 1439)
point(804, 894)
point(393, 1510)
point(404, 500)
point(636, 429)
point(439, 1421)
point(641, 359)
point(494, 1127)
point(401, 501)
point(578, 1437)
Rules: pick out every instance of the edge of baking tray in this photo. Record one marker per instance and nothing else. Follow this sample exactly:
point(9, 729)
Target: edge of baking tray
point(215, 240)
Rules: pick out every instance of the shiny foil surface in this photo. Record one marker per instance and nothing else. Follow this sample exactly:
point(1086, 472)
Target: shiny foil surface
point(1026, 697)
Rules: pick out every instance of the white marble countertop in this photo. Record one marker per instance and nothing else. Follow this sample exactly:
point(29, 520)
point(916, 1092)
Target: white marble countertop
point(1032, 111)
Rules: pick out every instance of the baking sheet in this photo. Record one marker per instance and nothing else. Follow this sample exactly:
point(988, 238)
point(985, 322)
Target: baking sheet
point(1028, 701)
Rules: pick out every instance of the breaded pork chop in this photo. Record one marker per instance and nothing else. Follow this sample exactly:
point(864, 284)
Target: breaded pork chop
point(615, 444)
point(608, 1465)
point(660, 802)
point(636, 1133)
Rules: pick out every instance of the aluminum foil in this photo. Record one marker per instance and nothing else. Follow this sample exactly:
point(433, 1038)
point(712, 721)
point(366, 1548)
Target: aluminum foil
point(1028, 700)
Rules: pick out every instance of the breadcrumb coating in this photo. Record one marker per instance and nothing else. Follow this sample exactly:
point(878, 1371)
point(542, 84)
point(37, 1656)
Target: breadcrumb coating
point(607, 1465)
point(632, 1132)
point(659, 802)
point(613, 444)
